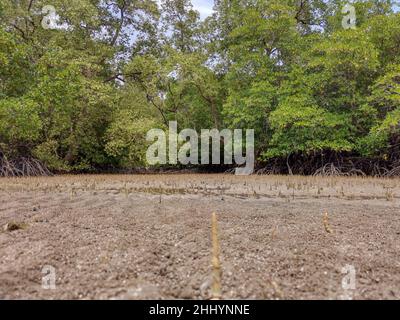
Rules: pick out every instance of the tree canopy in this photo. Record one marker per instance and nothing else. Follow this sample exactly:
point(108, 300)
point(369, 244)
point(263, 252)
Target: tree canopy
point(81, 92)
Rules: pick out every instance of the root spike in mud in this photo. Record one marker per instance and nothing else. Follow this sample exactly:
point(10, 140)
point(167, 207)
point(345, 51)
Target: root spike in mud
point(326, 224)
point(216, 284)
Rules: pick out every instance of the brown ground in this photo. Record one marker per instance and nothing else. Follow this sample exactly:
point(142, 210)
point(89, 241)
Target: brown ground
point(140, 237)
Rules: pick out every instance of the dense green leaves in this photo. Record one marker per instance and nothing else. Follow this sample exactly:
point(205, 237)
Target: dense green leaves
point(84, 95)
point(20, 121)
point(301, 126)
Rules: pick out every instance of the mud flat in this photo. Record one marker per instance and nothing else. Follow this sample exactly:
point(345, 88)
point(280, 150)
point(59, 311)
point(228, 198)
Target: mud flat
point(149, 237)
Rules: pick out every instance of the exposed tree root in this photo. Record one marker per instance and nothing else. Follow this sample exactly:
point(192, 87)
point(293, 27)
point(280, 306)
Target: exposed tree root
point(298, 165)
point(22, 167)
point(393, 173)
point(333, 165)
point(329, 170)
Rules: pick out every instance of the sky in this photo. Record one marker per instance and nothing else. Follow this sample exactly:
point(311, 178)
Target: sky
point(204, 7)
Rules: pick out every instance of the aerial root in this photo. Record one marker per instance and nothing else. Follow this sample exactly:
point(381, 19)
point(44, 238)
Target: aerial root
point(22, 167)
point(216, 275)
point(326, 223)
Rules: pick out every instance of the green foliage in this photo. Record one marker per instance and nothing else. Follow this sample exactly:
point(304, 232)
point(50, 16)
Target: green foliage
point(126, 136)
point(385, 101)
point(20, 121)
point(300, 126)
point(340, 70)
point(83, 96)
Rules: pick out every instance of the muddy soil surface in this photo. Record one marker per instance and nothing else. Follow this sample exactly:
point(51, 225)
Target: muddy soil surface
point(149, 237)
